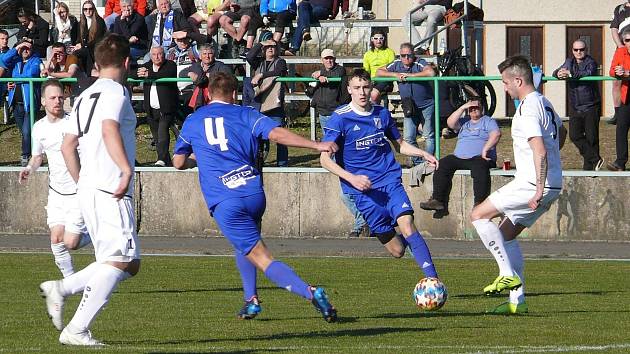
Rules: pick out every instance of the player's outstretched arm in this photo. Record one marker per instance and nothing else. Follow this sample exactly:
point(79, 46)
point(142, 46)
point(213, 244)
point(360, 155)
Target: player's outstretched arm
point(286, 137)
point(407, 149)
point(359, 182)
point(540, 166)
point(33, 165)
point(184, 162)
point(116, 149)
point(71, 155)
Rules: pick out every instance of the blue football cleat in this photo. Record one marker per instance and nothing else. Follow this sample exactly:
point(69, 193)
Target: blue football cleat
point(250, 309)
point(321, 303)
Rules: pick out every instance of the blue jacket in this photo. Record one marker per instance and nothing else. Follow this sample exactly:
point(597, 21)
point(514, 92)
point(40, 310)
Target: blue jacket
point(267, 6)
point(30, 68)
point(583, 95)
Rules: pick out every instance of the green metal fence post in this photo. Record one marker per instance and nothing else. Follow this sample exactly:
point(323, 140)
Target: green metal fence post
point(436, 98)
point(31, 113)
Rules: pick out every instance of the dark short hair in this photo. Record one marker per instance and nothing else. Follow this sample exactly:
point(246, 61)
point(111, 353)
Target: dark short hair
point(51, 83)
point(25, 12)
point(111, 51)
point(223, 84)
point(361, 74)
point(518, 66)
point(2, 31)
point(58, 45)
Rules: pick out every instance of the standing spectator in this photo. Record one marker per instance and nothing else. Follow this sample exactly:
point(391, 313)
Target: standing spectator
point(91, 31)
point(248, 13)
point(184, 54)
point(377, 57)
point(416, 96)
point(310, 11)
point(34, 29)
point(27, 66)
point(66, 29)
point(114, 8)
point(620, 21)
point(160, 101)
point(130, 24)
point(620, 69)
point(168, 24)
point(475, 151)
point(432, 13)
point(584, 98)
point(282, 12)
point(199, 72)
point(4, 49)
point(266, 66)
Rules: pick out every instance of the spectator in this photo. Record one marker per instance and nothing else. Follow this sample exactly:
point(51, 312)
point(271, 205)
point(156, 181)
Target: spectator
point(184, 54)
point(377, 57)
point(621, 15)
point(160, 101)
point(416, 96)
point(114, 8)
point(130, 24)
point(168, 24)
point(248, 13)
point(266, 66)
point(310, 11)
point(620, 69)
point(345, 9)
point(66, 29)
point(282, 12)
point(210, 12)
point(4, 49)
point(199, 72)
point(91, 31)
point(27, 66)
point(475, 151)
point(34, 29)
point(61, 66)
point(432, 13)
point(584, 98)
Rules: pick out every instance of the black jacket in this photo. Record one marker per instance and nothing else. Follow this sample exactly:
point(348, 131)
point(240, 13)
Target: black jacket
point(180, 23)
point(38, 36)
point(132, 26)
point(328, 96)
point(167, 92)
point(583, 95)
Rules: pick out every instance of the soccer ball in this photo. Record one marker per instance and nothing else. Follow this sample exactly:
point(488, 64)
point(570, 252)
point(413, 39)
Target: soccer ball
point(430, 294)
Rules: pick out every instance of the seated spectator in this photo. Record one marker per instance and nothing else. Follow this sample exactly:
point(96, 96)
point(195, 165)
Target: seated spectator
point(310, 11)
point(130, 24)
point(208, 12)
point(248, 13)
point(584, 97)
point(281, 12)
point(91, 31)
point(475, 151)
point(27, 65)
point(184, 54)
point(377, 57)
point(60, 65)
point(160, 101)
point(620, 69)
point(168, 24)
point(345, 9)
point(34, 29)
point(269, 94)
point(66, 29)
point(432, 13)
point(113, 9)
point(200, 71)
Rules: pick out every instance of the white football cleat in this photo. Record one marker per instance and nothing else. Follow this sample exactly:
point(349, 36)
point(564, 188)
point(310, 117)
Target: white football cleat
point(70, 337)
point(54, 302)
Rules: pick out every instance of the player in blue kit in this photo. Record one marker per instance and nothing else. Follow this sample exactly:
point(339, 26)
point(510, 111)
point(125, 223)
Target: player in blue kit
point(221, 140)
point(370, 171)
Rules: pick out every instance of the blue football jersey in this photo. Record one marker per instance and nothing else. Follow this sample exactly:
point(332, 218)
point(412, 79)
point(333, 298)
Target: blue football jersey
point(223, 137)
point(363, 148)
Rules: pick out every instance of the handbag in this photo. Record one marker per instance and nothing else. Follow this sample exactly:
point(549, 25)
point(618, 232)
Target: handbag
point(408, 107)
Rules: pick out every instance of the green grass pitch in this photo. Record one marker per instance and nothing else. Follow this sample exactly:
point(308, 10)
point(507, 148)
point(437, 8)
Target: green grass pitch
point(189, 304)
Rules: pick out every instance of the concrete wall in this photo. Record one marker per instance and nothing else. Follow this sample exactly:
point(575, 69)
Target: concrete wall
point(306, 203)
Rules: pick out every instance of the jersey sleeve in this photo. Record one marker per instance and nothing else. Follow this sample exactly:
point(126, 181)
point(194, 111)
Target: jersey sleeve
point(37, 148)
point(391, 131)
point(261, 124)
point(183, 144)
point(333, 129)
point(70, 125)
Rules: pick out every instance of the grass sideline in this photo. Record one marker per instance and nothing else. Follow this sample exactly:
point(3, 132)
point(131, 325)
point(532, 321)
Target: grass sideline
point(188, 304)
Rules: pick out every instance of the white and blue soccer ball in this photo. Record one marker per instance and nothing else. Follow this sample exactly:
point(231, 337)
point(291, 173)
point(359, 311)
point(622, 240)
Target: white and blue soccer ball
point(430, 294)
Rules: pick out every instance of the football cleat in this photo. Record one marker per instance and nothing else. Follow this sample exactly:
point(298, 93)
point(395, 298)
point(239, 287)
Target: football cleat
point(321, 303)
point(503, 282)
point(69, 337)
point(250, 309)
point(508, 308)
point(54, 302)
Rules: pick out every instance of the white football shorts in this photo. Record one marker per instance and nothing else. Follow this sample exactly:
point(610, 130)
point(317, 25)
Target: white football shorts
point(512, 200)
point(111, 224)
point(64, 210)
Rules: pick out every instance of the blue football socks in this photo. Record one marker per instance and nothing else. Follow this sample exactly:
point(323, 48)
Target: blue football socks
point(284, 277)
point(422, 254)
point(248, 275)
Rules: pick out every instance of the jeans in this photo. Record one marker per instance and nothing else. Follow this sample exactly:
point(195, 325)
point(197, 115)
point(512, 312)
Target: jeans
point(479, 171)
point(282, 151)
point(23, 122)
point(160, 124)
point(410, 131)
point(349, 201)
point(431, 14)
point(109, 21)
point(307, 13)
point(584, 133)
point(322, 122)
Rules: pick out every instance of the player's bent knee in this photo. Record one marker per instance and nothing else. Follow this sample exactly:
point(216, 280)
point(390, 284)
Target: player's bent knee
point(384, 237)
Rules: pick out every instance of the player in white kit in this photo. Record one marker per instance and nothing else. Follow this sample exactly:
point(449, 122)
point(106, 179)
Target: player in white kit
point(101, 128)
point(537, 135)
point(67, 229)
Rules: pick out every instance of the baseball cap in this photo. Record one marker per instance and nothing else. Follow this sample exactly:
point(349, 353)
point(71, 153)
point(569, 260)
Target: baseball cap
point(328, 53)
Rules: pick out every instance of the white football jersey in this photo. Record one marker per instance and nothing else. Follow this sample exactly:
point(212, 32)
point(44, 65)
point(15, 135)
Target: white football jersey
point(103, 100)
point(535, 116)
point(47, 138)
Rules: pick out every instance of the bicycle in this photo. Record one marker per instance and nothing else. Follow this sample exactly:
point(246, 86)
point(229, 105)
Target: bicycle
point(453, 63)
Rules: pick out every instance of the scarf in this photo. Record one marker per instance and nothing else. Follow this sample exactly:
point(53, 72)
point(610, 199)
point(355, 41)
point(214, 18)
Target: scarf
point(167, 35)
point(63, 28)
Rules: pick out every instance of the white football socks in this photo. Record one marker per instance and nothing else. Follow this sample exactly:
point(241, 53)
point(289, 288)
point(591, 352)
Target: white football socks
point(75, 283)
point(96, 295)
point(516, 259)
point(63, 260)
point(493, 240)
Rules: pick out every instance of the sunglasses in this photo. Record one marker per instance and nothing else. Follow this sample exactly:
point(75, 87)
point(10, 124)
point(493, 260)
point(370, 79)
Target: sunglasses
point(88, 9)
point(626, 40)
point(378, 38)
point(410, 56)
point(579, 49)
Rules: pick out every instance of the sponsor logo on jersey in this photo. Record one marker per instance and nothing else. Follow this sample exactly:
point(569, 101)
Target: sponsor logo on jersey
point(238, 177)
point(377, 123)
point(370, 140)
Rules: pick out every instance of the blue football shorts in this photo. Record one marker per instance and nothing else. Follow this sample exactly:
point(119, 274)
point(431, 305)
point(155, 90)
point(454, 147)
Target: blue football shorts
point(239, 219)
point(381, 206)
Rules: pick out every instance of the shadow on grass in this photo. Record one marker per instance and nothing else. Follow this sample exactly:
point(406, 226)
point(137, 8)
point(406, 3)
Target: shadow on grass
point(426, 314)
point(534, 294)
point(179, 291)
